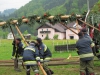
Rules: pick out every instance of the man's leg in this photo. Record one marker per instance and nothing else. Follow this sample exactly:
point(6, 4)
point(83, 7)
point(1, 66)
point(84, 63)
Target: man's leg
point(27, 70)
point(82, 67)
point(86, 70)
point(46, 60)
point(16, 65)
point(35, 69)
point(46, 68)
point(90, 67)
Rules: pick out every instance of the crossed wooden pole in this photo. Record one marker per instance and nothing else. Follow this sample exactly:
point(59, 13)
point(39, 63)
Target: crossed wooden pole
point(89, 25)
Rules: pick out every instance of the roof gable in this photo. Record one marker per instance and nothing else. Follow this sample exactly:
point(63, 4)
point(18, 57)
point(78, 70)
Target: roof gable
point(44, 26)
point(58, 27)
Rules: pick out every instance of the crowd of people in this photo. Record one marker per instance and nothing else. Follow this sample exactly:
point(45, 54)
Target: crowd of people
point(37, 53)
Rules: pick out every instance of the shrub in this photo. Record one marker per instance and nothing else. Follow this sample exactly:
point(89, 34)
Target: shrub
point(55, 37)
point(47, 37)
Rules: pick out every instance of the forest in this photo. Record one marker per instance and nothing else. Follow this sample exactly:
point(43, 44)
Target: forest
point(54, 7)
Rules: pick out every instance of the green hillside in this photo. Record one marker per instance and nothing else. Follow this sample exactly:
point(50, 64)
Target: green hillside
point(53, 6)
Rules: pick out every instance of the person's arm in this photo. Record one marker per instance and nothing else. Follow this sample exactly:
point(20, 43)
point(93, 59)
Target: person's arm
point(37, 55)
point(14, 48)
point(77, 48)
point(20, 49)
point(41, 53)
point(92, 43)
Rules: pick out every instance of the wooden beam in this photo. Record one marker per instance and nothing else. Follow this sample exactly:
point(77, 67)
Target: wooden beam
point(53, 59)
point(56, 63)
point(89, 25)
point(69, 28)
point(21, 35)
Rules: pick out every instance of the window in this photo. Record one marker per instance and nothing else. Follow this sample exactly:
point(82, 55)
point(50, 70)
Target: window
point(71, 37)
point(47, 29)
point(42, 29)
point(42, 35)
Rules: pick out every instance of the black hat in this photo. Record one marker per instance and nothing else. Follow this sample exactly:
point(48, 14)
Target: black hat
point(80, 34)
point(19, 39)
point(39, 40)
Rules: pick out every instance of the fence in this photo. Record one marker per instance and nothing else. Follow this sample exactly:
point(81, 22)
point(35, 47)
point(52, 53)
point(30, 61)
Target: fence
point(65, 47)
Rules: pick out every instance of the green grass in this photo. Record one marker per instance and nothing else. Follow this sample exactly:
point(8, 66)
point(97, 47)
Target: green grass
point(6, 52)
point(6, 48)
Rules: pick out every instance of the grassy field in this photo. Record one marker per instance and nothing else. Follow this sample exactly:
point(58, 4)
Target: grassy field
point(6, 48)
point(6, 51)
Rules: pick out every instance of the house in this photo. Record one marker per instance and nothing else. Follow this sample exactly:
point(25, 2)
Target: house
point(69, 33)
point(51, 31)
point(27, 36)
point(10, 36)
point(57, 29)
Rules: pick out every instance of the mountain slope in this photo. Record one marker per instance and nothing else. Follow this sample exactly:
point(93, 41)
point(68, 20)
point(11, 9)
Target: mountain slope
point(53, 6)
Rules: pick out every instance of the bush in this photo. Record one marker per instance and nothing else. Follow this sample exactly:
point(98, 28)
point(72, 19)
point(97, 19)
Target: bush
point(47, 37)
point(55, 37)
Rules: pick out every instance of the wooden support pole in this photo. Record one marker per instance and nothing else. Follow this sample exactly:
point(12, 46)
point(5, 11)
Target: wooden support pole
point(15, 60)
point(89, 25)
point(77, 26)
point(12, 31)
point(42, 69)
point(21, 35)
point(69, 28)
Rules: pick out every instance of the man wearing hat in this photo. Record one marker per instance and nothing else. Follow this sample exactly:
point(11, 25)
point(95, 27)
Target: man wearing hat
point(31, 58)
point(84, 31)
point(86, 55)
point(17, 53)
point(45, 55)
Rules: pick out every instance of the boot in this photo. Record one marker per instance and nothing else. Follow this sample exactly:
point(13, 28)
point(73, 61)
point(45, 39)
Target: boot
point(17, 69)
point(51, 71)
point(86, 70)
point(28, 73)
point(48, 72)
point(82, 73)
point(91, 74)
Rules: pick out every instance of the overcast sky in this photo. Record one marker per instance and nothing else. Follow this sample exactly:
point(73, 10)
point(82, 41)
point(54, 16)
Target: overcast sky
point(8, 4)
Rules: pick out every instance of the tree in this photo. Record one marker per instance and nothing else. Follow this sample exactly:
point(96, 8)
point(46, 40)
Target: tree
point(25, 32)
point(47, 37)
point(55, 37)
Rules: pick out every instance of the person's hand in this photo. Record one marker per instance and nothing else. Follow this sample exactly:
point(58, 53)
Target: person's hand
point(12, 57)
point(38, 63)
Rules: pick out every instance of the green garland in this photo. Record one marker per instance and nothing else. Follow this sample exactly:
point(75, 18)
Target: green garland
point(33, 19)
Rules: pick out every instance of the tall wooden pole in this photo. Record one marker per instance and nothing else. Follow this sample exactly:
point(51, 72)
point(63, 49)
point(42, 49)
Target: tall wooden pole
point(69, 28)
point(15, 60)
point(77, 26)
point(21, 35)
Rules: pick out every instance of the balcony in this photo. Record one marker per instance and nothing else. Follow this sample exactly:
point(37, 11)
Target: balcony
point(45, 31)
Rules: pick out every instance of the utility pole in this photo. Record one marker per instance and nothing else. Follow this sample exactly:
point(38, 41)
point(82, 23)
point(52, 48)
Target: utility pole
point(88, 5)
point(88, 8)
